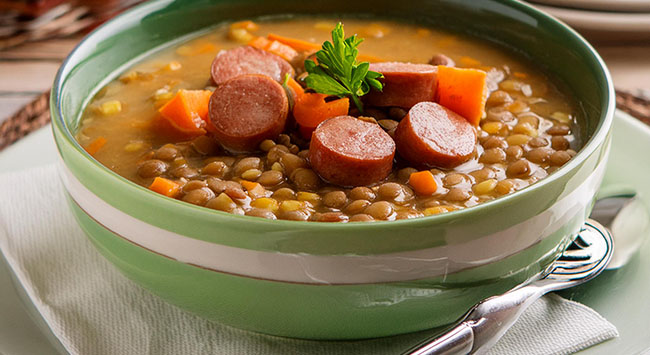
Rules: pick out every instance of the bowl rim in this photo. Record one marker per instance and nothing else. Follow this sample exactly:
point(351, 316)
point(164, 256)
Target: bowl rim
point(600, 133)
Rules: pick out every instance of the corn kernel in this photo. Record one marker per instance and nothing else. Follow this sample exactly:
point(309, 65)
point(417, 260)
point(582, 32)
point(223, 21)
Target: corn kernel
point(251, 174)
point(266, 145)
point(561, 116)
point(265, 203)
point(485, 187)
point(240, 35)
point(308, 196)
point(525, 128)
point(134, 147)
point(223, 202)
point(437, 210)
point(277, 167)
point(517, 139)
point(291, 205)
point(110, 107)
point(492, 127)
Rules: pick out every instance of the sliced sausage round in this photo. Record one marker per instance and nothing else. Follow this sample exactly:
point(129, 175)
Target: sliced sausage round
point(347, 151)
point(433, 136)
point(405, 84)
point(246, 110)
point(248, 60)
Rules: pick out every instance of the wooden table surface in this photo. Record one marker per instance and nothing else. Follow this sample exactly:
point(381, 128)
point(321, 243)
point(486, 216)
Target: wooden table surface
point(28, 70)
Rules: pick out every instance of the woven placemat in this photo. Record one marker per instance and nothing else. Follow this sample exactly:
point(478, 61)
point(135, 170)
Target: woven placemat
point(36, 114)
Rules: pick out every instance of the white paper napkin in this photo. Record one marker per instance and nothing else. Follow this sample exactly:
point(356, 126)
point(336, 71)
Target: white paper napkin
point(93, 309)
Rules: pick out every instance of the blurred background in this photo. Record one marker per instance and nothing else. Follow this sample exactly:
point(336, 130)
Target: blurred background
point(36, 35)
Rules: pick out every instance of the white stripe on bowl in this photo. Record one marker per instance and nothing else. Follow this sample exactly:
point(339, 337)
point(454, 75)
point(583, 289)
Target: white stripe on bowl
point(459, 254)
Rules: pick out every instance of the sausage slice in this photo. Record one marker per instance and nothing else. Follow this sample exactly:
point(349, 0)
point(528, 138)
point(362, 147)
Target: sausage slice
point(433, 136)
point(248, 60)
point(347, 151)
point(405, 84)
point(246, 110)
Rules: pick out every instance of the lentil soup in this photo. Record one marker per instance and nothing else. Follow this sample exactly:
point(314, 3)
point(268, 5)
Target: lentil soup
point(295, 162)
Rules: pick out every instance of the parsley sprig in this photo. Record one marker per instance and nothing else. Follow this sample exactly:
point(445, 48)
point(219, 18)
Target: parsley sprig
point(338, 73)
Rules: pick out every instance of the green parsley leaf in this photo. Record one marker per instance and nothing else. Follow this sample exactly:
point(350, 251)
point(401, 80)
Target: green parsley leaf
point(338, 73)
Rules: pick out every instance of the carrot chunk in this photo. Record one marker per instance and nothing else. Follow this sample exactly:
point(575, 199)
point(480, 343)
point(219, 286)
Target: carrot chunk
point(95, 145)
point(165, 187)
point(463, 91)
point(423, 183)
point(187, 111)
point(275, 47)
point(297, 44)
point(311, 109)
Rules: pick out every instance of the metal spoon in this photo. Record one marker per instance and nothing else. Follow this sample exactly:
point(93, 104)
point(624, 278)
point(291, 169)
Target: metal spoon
point(486, 323)
point(627, 219)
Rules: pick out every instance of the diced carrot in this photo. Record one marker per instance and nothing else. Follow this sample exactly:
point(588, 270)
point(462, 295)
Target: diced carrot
point(255, 190)
point(259, 43)
point(297, 44)
point(248, 185)
point(423, 183)
point(187, 111)
point(311, 109)
point(520, 75)
point(95, 145)
point(463, 91)
point(165, 187)
point(275, 47)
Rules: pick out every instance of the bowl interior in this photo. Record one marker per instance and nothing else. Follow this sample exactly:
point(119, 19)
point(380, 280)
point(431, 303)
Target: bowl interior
point(556, 49)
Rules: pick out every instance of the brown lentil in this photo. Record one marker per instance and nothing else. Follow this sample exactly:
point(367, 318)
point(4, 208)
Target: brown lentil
point(361, 217)
point(152, 168)
point(559, 143)
point(335, 199)
point(520, 168)
point(560, 158)
point(379, 210)
point(284, 193)
point(167, 152)
point(259, 212)
point(456, 194)
point(515, 152)
point(247, 164)
point(559, 130)
point(194, 184)
point(493, 156)
point(356, 206)
point(199, 196)
point(215, 168)
point(539, 155)
point(538, 142)
point(271, 178)
point(305, 179)
point(362, 193)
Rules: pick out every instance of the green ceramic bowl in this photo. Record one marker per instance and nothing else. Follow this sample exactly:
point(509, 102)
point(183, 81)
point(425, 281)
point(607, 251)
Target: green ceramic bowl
point(319, 280)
